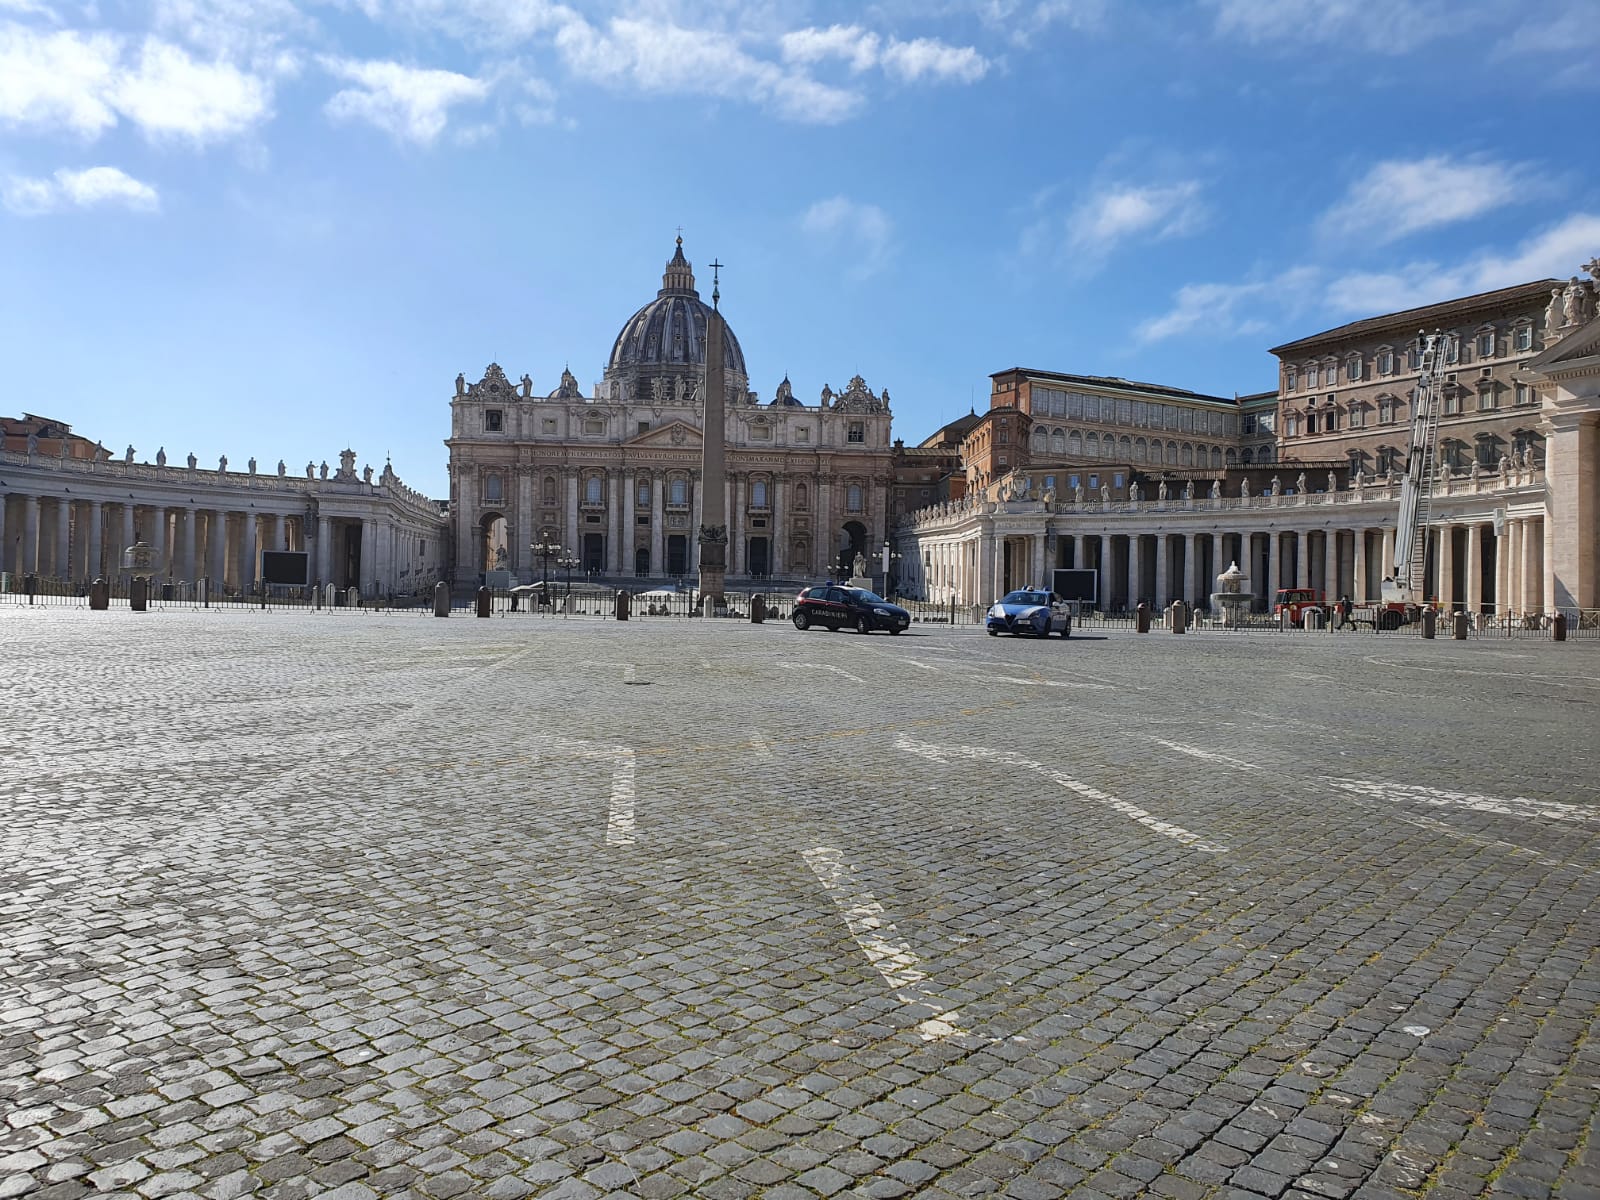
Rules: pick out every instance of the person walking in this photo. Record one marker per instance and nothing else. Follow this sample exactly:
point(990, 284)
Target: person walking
point(1344, 613)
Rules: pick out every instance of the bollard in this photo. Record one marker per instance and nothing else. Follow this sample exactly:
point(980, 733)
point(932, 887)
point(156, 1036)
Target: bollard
point(623, 600)
point(483, 601)
point(330, 595)
point(100, 595)
point(758, 609)
point(1141, 618)
point(1430, 620)
point(1460, 633)
point(352, 597)
point(441, 599)
point(30, 584)
point(1180, 617)
point(138, 594)
point(1558, 628)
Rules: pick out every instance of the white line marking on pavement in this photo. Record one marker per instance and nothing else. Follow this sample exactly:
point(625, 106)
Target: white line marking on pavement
point(1440, 827)
point(1055, 683)
point(619, 825)
point(822, 667)
point(1131, 811)
point(880, 942)
point(1208, 755)
point(761, 747)
point(1517, 806)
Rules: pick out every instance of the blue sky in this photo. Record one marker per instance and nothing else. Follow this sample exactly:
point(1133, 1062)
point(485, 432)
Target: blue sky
point(280, 227)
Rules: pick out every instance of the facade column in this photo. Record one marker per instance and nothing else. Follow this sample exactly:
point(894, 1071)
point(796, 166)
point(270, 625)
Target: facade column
point(1330, 565)
point(1445, 562)
point(1514, 590)
point(1191, 567)
point(1473, 598)
point(1163, 553)
point(1387, 565)
point(658, 518)
point(1529, 597)
point(1302, 559)
point(97, 534)
point(1274, 568)
point(778, 522)
point(630, 518)
point(522, 532)
point(1359, 581)
point(822, 543)
point(573, 536)
point(737, 564)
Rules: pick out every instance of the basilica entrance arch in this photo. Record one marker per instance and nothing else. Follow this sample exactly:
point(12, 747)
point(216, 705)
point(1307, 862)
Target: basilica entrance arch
point(759, 559)
point(494, 550)
point(594, 554)
point(641, 562)
point(677, 554)
point(852, 541)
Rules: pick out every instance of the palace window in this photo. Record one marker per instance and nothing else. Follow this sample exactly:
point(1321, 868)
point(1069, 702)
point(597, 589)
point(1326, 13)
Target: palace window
point(1524, 395)
point(1313, 376)
point(1486, 344)
point(1358, 416)
point(493, 420)
point(1386, 362)
point(858, 432)
point(641, 496)
point(1289, 379)
point(1452, 400)
point(1311, 422)
point(1523, 338)
point(758, 493)
point(1094, 481)
point(1116, 480)
point(1072, 481)
point(1414, 356)
point(1352, 369)
point(1386, 410)
point(1049, 483)
point(592, 489)
point(1247, 423)
point(852, 498)
point(678, 493)
point(1488, 400)
point(1291, 425)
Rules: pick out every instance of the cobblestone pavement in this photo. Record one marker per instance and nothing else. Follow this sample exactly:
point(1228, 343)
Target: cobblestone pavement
point(354, 905)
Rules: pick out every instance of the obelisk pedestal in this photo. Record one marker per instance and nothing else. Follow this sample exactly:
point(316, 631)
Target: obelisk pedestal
point(713, 534)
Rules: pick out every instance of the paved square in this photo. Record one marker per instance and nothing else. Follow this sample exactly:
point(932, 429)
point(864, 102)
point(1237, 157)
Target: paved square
point(380, 905)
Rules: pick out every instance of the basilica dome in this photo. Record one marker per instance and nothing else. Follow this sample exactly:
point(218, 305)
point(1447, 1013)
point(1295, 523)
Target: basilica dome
point(667, 337)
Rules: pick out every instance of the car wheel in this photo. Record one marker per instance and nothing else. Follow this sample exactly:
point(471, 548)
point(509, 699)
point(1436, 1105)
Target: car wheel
point(1066, 631)
point(994, 633)
point(894, 632)
point(862, 625)
point(1389, 620)
point(802, 622)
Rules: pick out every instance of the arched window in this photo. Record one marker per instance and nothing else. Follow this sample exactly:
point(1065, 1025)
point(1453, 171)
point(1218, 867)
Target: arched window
point(1092, 445)
point(1125, 448)
point(1172, 454)
point(1039, 440)
point(592, 489)
point(1265, 455)
point(1248, 457)
point(1216, 459)
point(801, 496)
point(758, 493)
point(642, 493)
point(549, 489)
point(678, 491)
point(1231, 458)
point(1075, 444)
point(1058, 442)
point(494, 489)
point(1188, 455)
point(1141, 451)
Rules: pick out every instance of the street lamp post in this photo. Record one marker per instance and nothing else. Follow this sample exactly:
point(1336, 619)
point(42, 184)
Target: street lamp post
point(545, 550)
point(566, 562)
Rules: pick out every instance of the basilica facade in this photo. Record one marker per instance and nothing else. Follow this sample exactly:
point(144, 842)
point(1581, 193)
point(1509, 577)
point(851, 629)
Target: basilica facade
point(611, 478)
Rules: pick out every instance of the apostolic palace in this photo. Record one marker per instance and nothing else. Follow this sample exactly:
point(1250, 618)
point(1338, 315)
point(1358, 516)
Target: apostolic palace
point(1156, 487)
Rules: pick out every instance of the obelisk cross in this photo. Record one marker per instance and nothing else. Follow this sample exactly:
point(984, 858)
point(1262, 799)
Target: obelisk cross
point(716, 280)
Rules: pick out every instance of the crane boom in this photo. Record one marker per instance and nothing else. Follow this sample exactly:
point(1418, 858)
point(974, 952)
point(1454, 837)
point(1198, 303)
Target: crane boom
point(1407, 580)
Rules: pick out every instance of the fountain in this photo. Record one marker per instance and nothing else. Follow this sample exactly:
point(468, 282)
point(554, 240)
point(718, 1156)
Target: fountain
point(1231, 598)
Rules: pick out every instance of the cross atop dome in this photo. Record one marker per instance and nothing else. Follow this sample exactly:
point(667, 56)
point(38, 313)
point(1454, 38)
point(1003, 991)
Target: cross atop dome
point(679, 275)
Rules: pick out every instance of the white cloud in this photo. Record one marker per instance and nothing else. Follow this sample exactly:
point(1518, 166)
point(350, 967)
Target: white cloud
point(909, 62)
point(1388, 27)
point(171, 95)
point(861, 232)
point(88, 188)
point(58, 80)
point(409, 103)
point(1023, 20)
point(1400, 197)
point(663, 58)
point(1215, 308)
point(853, 44)
point(259, 33)
point(78, 83)
point(1085, 236)
point(1553, 253)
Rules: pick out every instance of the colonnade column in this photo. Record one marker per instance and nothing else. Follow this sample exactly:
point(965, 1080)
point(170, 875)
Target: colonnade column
point(1387, 553)
point(369, 557)
point(737, 564)
point(630, 518)
point(1302, 560)
point(247, 553)
point(217, 546)
point(573, 532)
point(775, 556)
point(63, 563)
point(1359, 569)
point(1191, 547)
point(190, 519)
point(1445, 562)
point(658, 485)
point(1133, 570)
point(1163, 554)
point(1330, 565)
point(1272, 567)
point(97, 533)
point(1474, 567)
point(522, 531)
point(1531, 599)
point(30, 536)
point(1502, 569)
point(1040, 571)
point(325, 550)
point(129, 532)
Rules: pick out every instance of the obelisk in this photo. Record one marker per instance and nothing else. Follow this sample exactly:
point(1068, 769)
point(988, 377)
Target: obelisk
point(713, 537)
